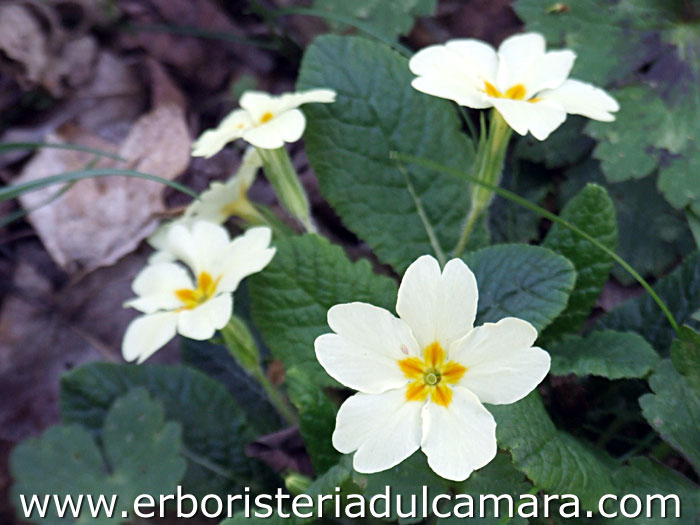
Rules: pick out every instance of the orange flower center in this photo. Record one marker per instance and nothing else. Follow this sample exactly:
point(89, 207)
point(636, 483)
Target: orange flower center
point(516, 92)
point(431, 375)
point(267, 117)
point(206, 287)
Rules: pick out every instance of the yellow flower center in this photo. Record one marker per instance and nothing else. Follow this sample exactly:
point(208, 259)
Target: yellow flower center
point(431, 375)
point(516, 92)
point(206, 287)
point(267, 117)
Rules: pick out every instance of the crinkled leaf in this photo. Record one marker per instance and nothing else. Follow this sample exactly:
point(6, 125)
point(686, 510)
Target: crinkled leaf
point(593, 212)
point(214, 426)
point(518, 280)
point(685, 354)
point(554, 460)
point(292, 296)
point(609, 354)
point(674, 411)
point(497, 478)
point(140, 455)
point(316, 418)
point(680, 291)
point(390, 19)
point(350, 141)
point(510, 222)
point(216, 361)
point(645, 478)
point(407, 478)
point(565, 146)
point(608, 46)
point(666, 235)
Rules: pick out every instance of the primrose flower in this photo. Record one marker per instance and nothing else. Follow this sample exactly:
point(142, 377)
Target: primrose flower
point(216, 204)
point(422, 377)
point(528, 86)
point(196, 303)
point(265, 121)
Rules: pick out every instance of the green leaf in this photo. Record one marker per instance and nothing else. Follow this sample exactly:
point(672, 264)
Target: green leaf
point(554, 460)
point(607, 46)
point(510, 222)
point(565, 146)
point(666, 234)
point(609, 354)
point(214, 426)
point(316, 418)
point(390, 19)
point(685, 354)
point(401, 213)
point(498, 478)
point(523, 281)
point(593, 212)
point(680, 291)
point(215, 361)
point(674, 411)
point(140, 455)
point(406, 479)
point(292, 296)
point(646, 478)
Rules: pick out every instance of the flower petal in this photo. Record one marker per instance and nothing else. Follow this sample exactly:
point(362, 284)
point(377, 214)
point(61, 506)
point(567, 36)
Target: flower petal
point(247, 254)
point(438, 307)
point(580, 98)
point(517, 56)
point(293, 100)
point(200, 245)
point(155, 287)
point(231, 128)
point(384, 429)
point(202, 322)
point(502, 366)
point(147, 334)
point(540, 118)
point(285, 127)
point(257, 103)
point(459, 438)
point(450, 72)
point(365, 353)
point(550, 72)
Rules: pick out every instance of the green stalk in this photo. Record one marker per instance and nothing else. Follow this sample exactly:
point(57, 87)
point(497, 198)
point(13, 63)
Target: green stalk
point(242, 347)
point(283, 177)
point(488, 168)
point(514, 197)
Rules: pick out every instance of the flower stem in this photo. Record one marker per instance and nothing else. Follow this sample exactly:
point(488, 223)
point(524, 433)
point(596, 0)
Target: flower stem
point(514, 197)
point(242, 347)
point(487, 168)
point(283, 177)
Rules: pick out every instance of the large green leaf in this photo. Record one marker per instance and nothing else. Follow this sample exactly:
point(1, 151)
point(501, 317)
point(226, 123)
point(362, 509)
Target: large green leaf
point(680, 291)
point(140, 455)
point(674, 411)
point(523, 281)
point(498, 478)
point(685, 354)
point(389, 19)
point(608, 354)
point(350, 141)
point(666, 235)
point(316, 418)
point(554, 460)
point(646, 478)
point(214, 427)
point(292, 296)
point(593, 212)
point(608, 46)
